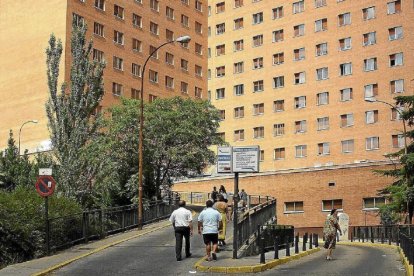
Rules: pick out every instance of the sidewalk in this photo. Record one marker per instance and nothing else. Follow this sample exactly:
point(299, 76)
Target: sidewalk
point(45, 265)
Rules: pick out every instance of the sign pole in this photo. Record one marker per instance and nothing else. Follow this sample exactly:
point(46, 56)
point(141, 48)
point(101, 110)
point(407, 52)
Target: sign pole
point(47, 225)
point(235, 218)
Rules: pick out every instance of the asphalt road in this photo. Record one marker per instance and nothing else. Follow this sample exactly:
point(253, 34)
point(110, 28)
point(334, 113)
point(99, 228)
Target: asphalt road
point(348, 260)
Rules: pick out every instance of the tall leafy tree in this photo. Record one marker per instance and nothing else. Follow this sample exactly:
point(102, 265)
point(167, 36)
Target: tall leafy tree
point(71, 110)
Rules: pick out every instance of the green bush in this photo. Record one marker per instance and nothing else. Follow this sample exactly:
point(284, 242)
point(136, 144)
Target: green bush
point(22, 226)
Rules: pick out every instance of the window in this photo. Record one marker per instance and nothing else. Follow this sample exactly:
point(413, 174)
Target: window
point(346, 94)
point(169, 82)
point(198, 92)
point(238, 23)
point(396, 59)
point(277, 36)
point(370, 90)
point(222, 115)
point(321, 25)
point(169, 35)
point(184, 20)
point(257, 40)
point(257, 18)
point(238, 67)
point(198, 70)
point(136, 45)
point(100, 4)
point(98, 29)
point(278, 129)
point(372, 143)
point(154, 28)
point(277, 13)
point(347, 120)
point(396, 113)
point(220, 93)
point(209, 74)
point(198, 27)
point(278, 58)
point(300, 151)
point(261, 156)
point(278, 82)
point(135, 93)
point(220, 71)
point(198, 6)
point(198, 49)
point(258, 86)
point(136, 20)
point(169, 12)
point(220, 7)
point(298, 54)
point(322, 49)
point(323, 123)
point(153, 76)
point(279, 153)
point(320, 3)
point(153, 52)
point(373, 202)
point(238, 89)
point(185, 2)
point(371, 117)
point(344, 19)
point(239, 112)
point(239, 135)
point(328, 205)
point(138, 1)
point(119, 12)
point(154, 5)
point(118, 63)
point(184, 87)
point(258, 109)
point(322, 73)
point(370, 64)
point(398, 141)
point(238, 45)
point(368, 13)
point(98, 55)
point(294, 207)
point(184, 64)
point(394, 7)
point(258, 132)
point(238, 3)
point(117, 89)
point(209, 52)
point(345, 44)
point(323, 149)
point(152, 98)
point(322, 98)
point(258, 63)
point(369, 39)
point(220, 28)
point(299, 30)
point(118, 37)
point(279, 105)
point(220, 50)
point(136, 70)
point(298, 6)
point(347, 146)
point(395, 33)
point(300, 102)
point(209, 31)
point(78, 20)
point(300, 126)
point(169, 58)
point(397, 86)
point(345, 69)
point(300, 78)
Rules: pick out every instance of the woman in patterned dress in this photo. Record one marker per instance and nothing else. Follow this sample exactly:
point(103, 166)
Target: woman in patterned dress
point(329, 232)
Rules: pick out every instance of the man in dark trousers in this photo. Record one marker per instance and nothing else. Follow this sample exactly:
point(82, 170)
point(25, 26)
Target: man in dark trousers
point(214, 194)
point(182, 221)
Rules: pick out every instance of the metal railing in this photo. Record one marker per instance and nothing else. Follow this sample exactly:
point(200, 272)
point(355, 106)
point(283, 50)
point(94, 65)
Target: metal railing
point(96, 224)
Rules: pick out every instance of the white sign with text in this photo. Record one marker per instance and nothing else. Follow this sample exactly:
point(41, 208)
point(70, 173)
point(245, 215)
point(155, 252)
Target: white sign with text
point(224, 160)
point(246, 159)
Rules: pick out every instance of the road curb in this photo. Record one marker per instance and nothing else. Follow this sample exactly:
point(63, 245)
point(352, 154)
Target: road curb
point(65, 263)
point(404, 260)
point(253, 268)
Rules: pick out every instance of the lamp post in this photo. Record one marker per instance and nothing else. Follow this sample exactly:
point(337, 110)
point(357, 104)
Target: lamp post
point(182, 40)
point(20, 131)
point(373, 100)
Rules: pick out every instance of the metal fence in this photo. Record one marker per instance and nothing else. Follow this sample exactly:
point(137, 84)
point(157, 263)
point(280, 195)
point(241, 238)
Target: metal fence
point(96, 224)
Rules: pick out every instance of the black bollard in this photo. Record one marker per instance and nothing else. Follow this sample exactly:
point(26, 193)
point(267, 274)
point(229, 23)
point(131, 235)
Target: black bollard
point(262, 250)
point(297, 244)
point(316, 240)
point(390, 236)
point(310, 241)
point(287, 245)
point(304, 243)
point(382, 237)
point(372, 236)
point(276, 246)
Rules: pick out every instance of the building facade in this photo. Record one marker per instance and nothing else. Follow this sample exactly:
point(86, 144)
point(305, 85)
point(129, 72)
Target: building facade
point(124, 33)
point(299, 79)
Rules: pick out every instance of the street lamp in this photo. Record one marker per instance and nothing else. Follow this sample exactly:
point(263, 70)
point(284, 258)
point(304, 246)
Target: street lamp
point(20, 131)
point(182, 40)
point(373, 100)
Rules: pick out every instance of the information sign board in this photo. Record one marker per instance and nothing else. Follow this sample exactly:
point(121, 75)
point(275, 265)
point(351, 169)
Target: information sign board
point(224, 160)
point(246, 159)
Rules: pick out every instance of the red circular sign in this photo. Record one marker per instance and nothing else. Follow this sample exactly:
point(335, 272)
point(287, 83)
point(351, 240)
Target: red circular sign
point(45, 185)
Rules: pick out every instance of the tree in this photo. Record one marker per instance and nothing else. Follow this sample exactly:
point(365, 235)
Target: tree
point(71, 111)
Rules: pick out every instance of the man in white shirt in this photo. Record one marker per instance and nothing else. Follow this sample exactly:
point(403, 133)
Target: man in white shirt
point(182, 221)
